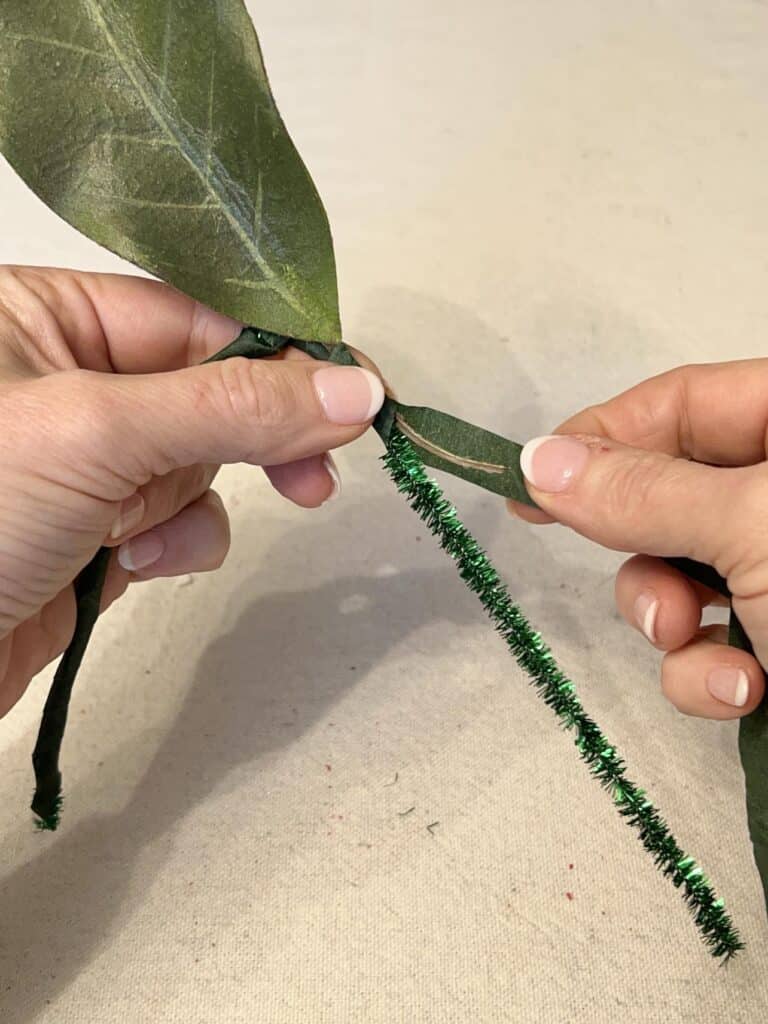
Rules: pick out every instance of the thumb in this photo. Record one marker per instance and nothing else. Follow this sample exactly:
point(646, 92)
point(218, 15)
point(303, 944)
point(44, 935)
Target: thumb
point(237, 410)
point(630, 499)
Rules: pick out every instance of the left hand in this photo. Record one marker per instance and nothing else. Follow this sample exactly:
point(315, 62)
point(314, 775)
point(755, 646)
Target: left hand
point(111, 434)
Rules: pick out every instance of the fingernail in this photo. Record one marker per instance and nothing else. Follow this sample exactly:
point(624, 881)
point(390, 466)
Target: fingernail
point(349, 394)
point(729, 684)
point(333, 473)
point(130, 515)
point(552, 463)
point(646, 609)
point(141, 551)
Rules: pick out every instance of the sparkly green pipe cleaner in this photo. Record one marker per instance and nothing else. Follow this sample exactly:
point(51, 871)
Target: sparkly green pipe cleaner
point(532, 654)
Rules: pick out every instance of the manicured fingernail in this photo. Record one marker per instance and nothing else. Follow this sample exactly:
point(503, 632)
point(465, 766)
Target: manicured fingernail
point(141, 551)
point(551, 463)
point(646, 609)
point(333, 473)
point(349, 394)
point(729, 684)
point(130, 515)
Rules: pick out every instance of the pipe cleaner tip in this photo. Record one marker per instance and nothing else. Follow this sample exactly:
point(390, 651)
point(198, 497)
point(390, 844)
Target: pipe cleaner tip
point(48, 811)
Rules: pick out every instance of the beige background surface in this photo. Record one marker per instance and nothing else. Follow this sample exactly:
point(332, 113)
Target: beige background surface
point(535, 205)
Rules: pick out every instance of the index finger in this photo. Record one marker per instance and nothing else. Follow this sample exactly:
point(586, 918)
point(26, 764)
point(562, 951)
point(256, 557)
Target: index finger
point(711, 412)
point(118, 322)
point(150, 327)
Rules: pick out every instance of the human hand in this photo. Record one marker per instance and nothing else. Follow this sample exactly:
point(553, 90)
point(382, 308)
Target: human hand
point(110, 433)
point(624, 479)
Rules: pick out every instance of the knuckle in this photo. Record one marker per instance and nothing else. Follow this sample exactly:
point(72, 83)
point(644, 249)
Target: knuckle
point(256, 393)
point(633, 485)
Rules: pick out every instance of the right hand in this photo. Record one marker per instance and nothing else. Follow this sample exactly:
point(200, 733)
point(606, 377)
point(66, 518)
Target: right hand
point(625, 477)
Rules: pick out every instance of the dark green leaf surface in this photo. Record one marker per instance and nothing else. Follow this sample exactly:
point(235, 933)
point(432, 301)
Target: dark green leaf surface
point(150, 126)
point(753, 747)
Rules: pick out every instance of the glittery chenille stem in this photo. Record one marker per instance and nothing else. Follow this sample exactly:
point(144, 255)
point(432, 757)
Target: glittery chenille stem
point(532, 654)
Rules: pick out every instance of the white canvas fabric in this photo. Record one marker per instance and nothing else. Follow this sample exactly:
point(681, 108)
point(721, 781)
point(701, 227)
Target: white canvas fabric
point(535, 206)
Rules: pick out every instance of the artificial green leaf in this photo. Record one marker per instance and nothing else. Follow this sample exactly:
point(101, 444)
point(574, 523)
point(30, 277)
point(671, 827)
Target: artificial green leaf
point(150, 126)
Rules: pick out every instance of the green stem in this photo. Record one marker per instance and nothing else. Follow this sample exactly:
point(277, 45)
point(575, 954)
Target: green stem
point(46, 802)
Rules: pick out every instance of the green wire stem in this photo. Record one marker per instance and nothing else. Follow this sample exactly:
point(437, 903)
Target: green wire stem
point(556, 690)
point(47, 799)
point(46, 802)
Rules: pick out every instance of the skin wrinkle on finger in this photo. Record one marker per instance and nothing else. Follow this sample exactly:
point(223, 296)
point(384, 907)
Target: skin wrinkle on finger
point(15, 364)
point(41, 343)
point(99, 333)
point(686, 438)
point(682, 412)
point(206, 333)
point(130, 324)
point(77, 337)
point(644, 430)
point(260, 395)
point(182, 332)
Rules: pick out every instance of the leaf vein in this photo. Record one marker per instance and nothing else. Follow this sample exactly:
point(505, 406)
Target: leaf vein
point(138, 139)
point(58, 44)
point(222, 190)
point(247, 282)
point(140, 201)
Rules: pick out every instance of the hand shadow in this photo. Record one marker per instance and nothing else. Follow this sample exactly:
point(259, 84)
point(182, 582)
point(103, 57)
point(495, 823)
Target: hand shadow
point(58, 908)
